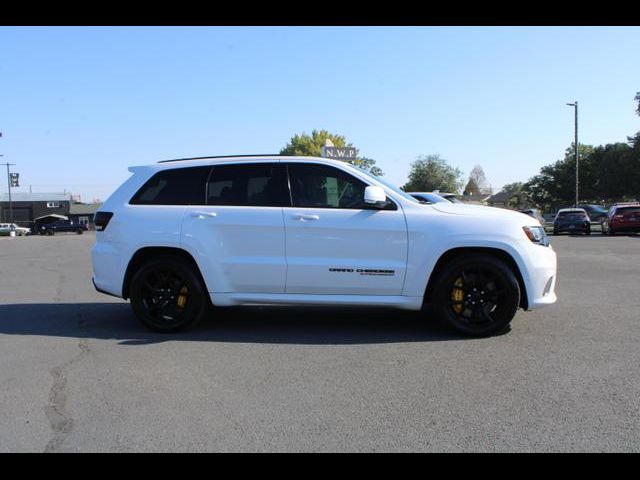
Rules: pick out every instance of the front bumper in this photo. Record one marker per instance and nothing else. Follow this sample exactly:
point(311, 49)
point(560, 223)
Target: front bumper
point(541, 276)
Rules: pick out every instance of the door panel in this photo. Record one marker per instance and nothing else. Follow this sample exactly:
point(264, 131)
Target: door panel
point(241, 249)
point(239, 235)
point(338, 249)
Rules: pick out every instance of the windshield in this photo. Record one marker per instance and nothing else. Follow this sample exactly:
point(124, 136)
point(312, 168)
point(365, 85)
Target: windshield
point(386, 184)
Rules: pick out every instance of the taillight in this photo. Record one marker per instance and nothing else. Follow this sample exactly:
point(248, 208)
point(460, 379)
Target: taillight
point(101, 220)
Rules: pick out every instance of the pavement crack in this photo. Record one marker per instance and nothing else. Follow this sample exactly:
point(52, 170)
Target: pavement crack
point(56, 410)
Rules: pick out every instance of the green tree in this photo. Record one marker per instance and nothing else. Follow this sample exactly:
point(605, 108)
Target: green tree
point(311, 145)
point(368, 164)
point(635, 140)
point(432, 172)
point(517, 194)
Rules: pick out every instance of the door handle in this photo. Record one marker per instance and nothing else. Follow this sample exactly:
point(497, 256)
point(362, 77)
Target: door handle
point(304, 218)
point(204, 214)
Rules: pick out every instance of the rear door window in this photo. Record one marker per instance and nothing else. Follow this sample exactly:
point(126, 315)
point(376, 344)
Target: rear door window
point(179, 186)
point(630, 211)
point(248, 185)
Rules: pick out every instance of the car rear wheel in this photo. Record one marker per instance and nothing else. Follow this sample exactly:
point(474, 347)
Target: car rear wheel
point(48, 232)
point(167, 295)
point(477, 295)
point(79, 231)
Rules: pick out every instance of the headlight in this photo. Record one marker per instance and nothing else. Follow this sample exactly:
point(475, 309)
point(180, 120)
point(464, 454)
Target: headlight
point(537, 235)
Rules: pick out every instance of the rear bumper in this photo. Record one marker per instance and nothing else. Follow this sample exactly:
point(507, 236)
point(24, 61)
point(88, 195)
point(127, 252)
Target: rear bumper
point(569, 228)
point(625, 228)
point(108, 272)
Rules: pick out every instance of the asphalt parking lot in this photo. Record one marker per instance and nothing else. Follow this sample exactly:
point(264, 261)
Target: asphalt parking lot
point(80, 374)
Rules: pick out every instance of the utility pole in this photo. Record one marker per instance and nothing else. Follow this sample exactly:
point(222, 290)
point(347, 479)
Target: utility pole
point(575, 106)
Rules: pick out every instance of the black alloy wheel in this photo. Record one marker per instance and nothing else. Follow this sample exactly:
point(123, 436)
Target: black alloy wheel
point(477, 295)
point(167, 295)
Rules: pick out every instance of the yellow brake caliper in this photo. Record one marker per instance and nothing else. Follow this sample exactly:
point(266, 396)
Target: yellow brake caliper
point(182, 298)
point(457, 295)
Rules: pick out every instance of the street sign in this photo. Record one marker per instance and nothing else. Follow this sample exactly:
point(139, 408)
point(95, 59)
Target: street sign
point(14, 177)
point(340, 153)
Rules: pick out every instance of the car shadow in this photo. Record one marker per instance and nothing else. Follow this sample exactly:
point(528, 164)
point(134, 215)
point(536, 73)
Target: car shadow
point(266, 325)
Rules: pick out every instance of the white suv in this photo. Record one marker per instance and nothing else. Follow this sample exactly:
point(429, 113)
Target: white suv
point(182, 235)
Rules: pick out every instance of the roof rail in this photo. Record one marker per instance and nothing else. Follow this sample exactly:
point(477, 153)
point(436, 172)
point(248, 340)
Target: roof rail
point(222, 156)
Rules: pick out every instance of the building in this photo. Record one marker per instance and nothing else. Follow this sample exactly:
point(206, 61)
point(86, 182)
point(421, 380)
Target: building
point(83, 213)
point(500, 199)
point(29, 206)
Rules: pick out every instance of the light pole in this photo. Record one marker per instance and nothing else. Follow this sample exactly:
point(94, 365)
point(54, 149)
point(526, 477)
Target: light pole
point(575, 107)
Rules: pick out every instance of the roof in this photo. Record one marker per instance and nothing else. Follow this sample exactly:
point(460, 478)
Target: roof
point(52, 216)
point(84, 208)
point(501, 196)
point(206, 161)
point(582, 210)
point(222, 156)
point(34, 197)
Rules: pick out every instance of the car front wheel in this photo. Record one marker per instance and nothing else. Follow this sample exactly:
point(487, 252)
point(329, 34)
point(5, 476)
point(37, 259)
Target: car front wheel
point(477, 295)
point(167, 295)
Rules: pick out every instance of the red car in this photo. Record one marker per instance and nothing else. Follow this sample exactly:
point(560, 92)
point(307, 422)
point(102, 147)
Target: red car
point(622, 217)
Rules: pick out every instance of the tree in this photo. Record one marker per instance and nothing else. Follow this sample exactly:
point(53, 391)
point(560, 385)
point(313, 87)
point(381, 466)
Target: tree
point(311, 145)
point(368, 164)
point(479, 178)
point(635, 140)
point(432, 172)
point(517, 194)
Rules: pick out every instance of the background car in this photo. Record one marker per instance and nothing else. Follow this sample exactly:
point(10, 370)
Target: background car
point(428, 197)
point(596, 213)
point(534, 213)
point(622, 217)
point(63, 226)
point(7, 228)
point(572, 220)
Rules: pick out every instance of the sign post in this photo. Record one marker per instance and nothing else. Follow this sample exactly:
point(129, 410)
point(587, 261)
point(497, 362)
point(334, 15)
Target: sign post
point(12, 181)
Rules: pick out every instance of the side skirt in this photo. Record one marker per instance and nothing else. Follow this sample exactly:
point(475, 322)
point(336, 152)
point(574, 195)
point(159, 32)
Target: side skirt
point(393, 301)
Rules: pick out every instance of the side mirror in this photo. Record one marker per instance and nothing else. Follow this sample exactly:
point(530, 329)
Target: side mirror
point(375, 197)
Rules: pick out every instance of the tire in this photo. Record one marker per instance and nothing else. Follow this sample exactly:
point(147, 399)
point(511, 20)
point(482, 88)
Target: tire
point(156, 290)
point(49, 232)
point(79, 231)
point(611, 232)
point(555, 232)
point(482, 274)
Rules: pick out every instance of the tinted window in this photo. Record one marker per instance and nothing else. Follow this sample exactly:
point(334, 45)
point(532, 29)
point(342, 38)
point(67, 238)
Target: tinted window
point(571, 215)
point(180, 186)
point(629, 211)
point(258, 185)
point(324, 187)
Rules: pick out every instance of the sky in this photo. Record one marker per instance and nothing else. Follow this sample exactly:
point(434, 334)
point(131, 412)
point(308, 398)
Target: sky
point(78, 105)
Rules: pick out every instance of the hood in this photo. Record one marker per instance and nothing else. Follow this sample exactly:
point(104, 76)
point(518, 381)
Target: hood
point(482, 212)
